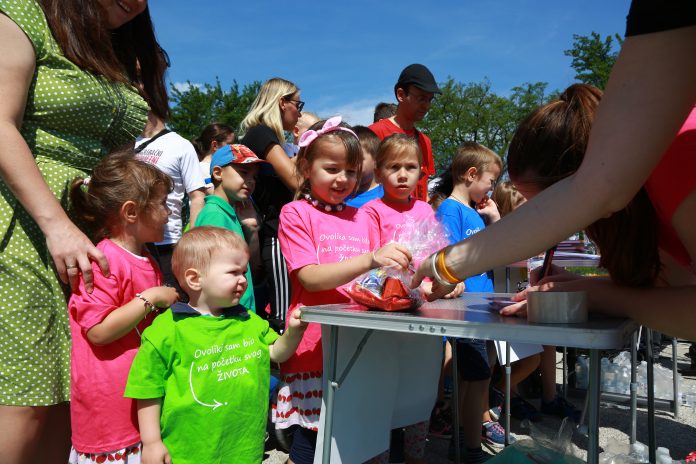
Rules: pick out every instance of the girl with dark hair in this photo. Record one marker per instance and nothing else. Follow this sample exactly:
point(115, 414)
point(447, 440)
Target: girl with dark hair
point(636, 244)
point(213, 136)
point(125, 202)
point(69, 76)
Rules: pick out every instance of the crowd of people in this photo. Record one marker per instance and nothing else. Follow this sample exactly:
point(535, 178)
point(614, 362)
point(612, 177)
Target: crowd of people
point(149, 282)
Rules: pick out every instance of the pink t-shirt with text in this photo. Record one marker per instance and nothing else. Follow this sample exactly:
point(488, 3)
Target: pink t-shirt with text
point(387, 219)
point(310, 236)
point(102, 419)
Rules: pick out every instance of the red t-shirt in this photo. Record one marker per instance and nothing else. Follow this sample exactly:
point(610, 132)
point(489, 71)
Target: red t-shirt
point(672, 180)
point(385, 127)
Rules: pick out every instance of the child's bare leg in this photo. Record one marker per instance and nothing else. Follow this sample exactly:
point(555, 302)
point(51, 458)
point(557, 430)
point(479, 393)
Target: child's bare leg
point(548, 373)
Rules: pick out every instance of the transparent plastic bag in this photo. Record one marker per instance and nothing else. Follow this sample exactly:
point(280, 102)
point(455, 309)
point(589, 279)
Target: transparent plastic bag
point(387, 288)
point(541, 448)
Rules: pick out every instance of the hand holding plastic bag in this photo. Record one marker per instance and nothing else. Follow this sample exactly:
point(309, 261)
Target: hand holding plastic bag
point(387, 288)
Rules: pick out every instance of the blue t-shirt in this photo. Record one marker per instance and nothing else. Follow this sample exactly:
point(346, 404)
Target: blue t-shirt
point(360, 199)
point(461, 222)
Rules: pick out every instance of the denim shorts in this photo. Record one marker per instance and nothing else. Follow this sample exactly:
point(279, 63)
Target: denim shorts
point(472, 359)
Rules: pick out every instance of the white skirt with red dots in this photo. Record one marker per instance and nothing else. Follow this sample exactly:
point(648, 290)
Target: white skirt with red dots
point(299, 401)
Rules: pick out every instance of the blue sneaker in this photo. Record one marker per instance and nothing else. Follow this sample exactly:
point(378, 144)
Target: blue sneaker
point(493, 434)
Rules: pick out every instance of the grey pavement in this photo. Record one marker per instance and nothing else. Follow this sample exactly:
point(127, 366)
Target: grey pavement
point(676, 434)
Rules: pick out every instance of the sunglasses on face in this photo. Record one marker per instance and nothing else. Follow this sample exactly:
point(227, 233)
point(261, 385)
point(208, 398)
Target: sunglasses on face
point(298, 103)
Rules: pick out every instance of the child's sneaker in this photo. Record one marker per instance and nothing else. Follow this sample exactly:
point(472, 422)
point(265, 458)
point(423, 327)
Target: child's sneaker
point(441, 422)
point(493, 434)
point(496, 412)
point(561, 407)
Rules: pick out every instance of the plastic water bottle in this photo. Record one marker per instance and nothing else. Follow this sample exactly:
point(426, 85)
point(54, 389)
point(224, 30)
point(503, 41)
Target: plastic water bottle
point(662, 456)
point(581, 372)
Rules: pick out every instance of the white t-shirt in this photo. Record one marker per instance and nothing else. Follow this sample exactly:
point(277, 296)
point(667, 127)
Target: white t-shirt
point(205, 170)
point(176, 157)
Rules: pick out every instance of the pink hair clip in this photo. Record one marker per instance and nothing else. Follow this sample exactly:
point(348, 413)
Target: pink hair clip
point(331, 124)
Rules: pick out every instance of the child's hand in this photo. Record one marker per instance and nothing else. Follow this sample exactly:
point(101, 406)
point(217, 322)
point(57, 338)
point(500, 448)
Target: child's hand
point(295, 323)
point(247, 216)
point(391, 254)
point(155, 453)
point(161, 297)
point(457, 292)
point(489, 210)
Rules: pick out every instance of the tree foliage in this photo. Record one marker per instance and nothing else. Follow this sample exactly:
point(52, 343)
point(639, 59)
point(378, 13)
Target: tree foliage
point(473, 112)
point(194, 107)
point(593, 57)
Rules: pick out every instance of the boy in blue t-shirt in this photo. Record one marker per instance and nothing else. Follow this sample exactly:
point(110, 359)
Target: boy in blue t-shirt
point(368, 188)
point(465, 209)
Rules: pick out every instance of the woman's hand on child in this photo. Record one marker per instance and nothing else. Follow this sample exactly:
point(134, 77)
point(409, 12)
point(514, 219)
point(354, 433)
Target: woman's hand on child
point(391, 254)
point(73, 254)
point(155, 453)
point(161, 297)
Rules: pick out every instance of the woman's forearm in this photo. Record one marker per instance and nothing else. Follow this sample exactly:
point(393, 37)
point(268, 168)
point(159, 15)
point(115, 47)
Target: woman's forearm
point(650, 92)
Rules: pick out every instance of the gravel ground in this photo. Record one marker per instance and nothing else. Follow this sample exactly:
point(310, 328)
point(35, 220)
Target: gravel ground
point(678, 435)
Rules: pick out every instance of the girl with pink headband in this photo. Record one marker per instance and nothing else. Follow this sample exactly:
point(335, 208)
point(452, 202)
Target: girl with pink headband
point(326, 245)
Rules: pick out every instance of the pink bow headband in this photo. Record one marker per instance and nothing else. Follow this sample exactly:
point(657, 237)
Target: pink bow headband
point(331, 124)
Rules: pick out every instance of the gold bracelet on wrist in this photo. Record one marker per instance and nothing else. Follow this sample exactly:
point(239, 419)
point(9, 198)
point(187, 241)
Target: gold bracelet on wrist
point(444, 271)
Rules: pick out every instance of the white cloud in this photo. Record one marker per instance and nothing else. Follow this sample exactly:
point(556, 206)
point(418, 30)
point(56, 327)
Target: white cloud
point(359, 112)
point(184, 86)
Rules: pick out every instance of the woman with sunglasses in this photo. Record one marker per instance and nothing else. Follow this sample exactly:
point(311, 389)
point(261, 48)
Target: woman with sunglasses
point(276, 109)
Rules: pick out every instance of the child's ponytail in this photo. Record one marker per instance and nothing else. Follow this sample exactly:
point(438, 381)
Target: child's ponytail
point(118, 178)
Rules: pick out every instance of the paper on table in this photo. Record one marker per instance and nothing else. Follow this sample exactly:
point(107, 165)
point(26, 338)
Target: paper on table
point(517, 350)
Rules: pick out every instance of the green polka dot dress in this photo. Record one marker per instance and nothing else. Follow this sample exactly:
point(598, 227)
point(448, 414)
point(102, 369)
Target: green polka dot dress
point(71, 121)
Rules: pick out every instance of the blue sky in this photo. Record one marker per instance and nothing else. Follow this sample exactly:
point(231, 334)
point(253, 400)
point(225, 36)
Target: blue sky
point(346, 55)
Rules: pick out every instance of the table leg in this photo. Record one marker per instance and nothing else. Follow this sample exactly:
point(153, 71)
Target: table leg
point(564, 387)
point(675, 379)
point(455, 402)
point(593, 432)
point(331, 390)
point(508, 371)
point(634, 386)
point(651, 395)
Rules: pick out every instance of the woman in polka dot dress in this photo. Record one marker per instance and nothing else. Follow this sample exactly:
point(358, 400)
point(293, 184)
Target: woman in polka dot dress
point(68, 83)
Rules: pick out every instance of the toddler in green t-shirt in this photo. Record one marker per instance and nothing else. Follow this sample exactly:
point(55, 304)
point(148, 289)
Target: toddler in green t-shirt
point(201, 376)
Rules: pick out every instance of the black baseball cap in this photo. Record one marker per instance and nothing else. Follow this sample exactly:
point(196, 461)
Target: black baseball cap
point(418, 75)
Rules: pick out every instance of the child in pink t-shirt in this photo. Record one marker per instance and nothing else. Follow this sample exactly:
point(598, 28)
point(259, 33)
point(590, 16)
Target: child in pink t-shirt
point(125, 200)
point(398, 168)
point(326, 245)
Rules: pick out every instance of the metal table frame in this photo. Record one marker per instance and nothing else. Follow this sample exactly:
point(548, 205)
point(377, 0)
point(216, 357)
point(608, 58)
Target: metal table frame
point(469, 317)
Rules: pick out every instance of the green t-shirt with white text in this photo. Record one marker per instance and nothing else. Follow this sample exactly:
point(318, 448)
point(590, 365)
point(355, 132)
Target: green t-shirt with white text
point(213, 375)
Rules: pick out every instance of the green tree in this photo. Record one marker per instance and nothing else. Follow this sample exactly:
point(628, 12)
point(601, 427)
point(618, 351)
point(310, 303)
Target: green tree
point(593, 57)
point(194, 107)
point(473, 112)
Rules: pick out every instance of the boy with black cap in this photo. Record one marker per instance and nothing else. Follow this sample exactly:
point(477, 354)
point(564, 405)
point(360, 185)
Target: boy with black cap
point(414, 92)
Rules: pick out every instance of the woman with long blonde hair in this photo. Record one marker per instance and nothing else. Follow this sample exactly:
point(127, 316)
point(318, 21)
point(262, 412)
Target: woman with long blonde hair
point(276, 109)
